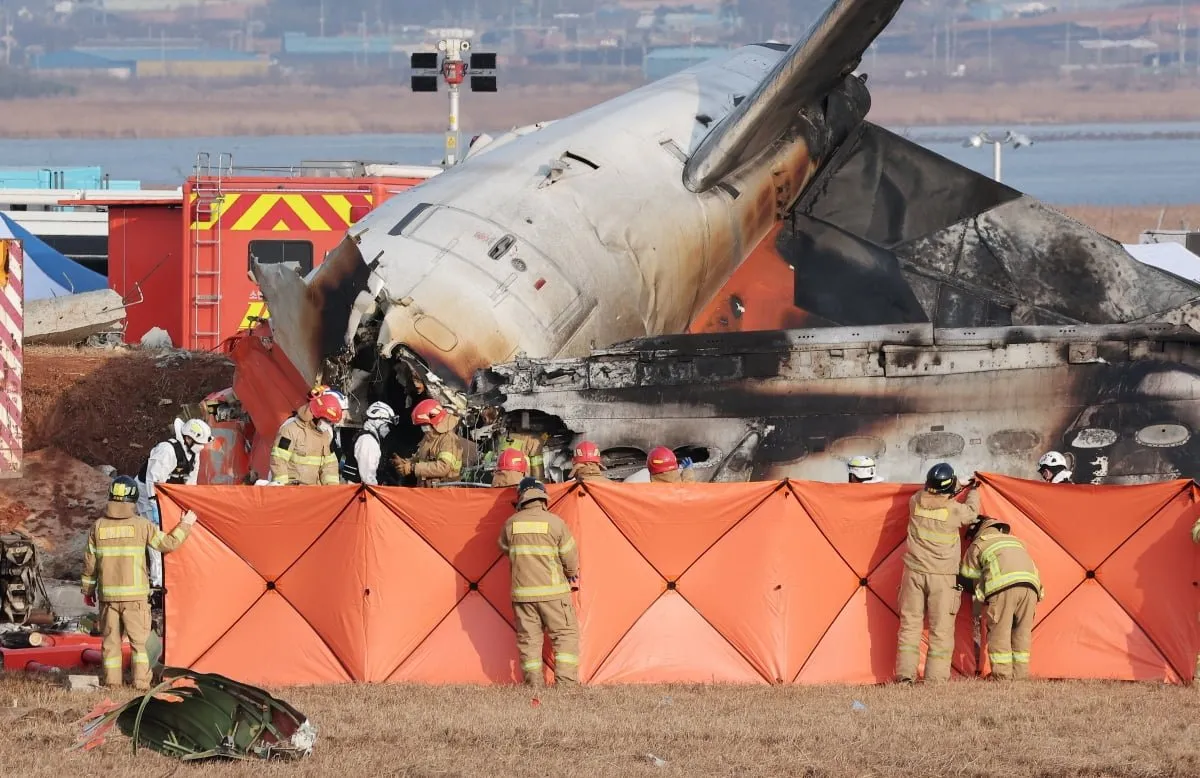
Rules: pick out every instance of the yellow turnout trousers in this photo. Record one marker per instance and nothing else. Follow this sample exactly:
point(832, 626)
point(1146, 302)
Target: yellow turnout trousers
point(1010, 631)
point(921, 595)
point(556, 617)
point(134, 619)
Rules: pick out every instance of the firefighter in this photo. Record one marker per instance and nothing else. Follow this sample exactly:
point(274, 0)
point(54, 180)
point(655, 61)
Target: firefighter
point(363, 466)
point(114, 567)
point(665, 469)
point(440, 453)
point(302, 453)
point(545, 570)
point(586, 465)
point(861, 470)
point(1052, 467)
point(531, 446)
point(512, 467)
point(1006, 579)
point(174, 461)
point(929, 585)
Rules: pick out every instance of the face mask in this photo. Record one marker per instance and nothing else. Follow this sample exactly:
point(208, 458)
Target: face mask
point(324, 426)
point(426, 429)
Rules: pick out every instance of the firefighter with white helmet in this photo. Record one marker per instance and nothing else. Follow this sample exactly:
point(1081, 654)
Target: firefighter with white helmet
point(1052, 467)
point(862, 470)
point(439, 456)
point(363, 466)
point(174, 461)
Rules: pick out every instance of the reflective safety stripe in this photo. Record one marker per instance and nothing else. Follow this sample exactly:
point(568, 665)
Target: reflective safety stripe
point(966, 571)
point(114, 533)
point(566, 659)
point(449, 458)
point(938, 538)
point(909, 649)
point(1001, 657)
point(531, 528)
point(533, 551)
point(112, 661)
point(535, 460)
point(329, 459)
point(281, 453)
point(993, 585)
point(87, 580)
point(939, 653)
point(1020, 657)
point(109, 592)
point(531, 665)
point(541, 591)
point(280, 479)
point(937, 514)
point(115, 551)
point(141, 658)
point(565, 548)
point(306, 461)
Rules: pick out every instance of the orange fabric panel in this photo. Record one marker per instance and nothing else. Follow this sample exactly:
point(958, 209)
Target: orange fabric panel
point(1091, 636)
point(688, 518)
point(473, 644)
point(268, 526)
point(771, 586)
point(272, 645)
point(269, 388)
point(672, 643)
point(864, 522)
point(1088, 521)
point(844, 656)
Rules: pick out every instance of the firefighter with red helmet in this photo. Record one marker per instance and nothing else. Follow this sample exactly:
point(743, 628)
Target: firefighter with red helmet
point(586, 465)
point(665, 468)
point(439, 455)
point(303, 449)
point(512, 466)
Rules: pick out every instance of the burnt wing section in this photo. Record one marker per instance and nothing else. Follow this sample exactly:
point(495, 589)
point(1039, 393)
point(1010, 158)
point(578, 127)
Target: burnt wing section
point(890, 232)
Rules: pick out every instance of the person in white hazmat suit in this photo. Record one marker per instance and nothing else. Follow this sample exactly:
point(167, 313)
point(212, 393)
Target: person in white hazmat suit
point(368, 448)
point(1053, 468)
point(174, 461)
point(861, 470)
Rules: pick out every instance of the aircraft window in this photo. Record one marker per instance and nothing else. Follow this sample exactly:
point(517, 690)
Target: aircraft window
point(1094, 437)
point(409, 218)
point(582, 160)
point(1163, 435)
point(296, 254)
point(1012, 441)
point(854, 445)
point(931, 445)
point(501, 247)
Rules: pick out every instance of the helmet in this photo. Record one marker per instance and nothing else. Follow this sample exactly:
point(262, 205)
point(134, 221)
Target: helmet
point(380, 411)
point(587, 451)
point(941, 479)
point(428, 412)
point(341, 398)
point(1052, 460)
point(123, 489)
point(531, 491)
point(513, 460)
point(317, 390)
point(326, 406)
point(661, 460)
point(862, 467)
point(194, 429)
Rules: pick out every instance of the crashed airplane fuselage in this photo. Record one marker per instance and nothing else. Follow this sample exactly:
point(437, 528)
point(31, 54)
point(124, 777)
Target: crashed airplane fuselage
point(676, 208)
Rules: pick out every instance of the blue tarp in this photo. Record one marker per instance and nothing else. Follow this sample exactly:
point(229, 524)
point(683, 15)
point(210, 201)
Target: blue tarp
point(47, 272)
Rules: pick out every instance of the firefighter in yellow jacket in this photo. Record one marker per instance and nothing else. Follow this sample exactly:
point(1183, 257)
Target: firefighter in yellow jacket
point(586, 464)
point(545, 570)
point(303, 450)
point(114, 567)
point(511, 468)
point(440, 453)
point(929, 586)
point(666, 469)
point(1005, 577)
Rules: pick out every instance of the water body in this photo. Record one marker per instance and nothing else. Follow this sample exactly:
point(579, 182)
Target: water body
point(1100, 164)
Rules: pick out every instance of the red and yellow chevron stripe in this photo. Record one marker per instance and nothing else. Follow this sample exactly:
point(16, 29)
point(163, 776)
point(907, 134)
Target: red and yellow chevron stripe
point(12, 328)
point(281, 212)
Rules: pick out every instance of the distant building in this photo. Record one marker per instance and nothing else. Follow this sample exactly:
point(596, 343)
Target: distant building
point(78, 63)
point(158, 62)
point(661, 63)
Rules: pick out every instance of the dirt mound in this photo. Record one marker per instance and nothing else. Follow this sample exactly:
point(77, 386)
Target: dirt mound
point(55, 502)
point(110, 407)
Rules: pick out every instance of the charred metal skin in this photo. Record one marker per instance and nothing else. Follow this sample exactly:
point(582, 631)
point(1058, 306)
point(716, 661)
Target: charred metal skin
point(1122, 401)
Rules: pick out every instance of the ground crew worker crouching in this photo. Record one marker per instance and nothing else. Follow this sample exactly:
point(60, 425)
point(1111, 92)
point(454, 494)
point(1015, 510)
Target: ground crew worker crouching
point(666, 469)
point(545, 570)
point(1006, 578)
point(114, 567)
point(511, 468)
point(929, 585)
point(439, 454)
point(303, 452)
point(586, 465)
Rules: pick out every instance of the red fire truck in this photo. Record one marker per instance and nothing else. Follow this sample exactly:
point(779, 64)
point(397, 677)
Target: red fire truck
point(184, 266)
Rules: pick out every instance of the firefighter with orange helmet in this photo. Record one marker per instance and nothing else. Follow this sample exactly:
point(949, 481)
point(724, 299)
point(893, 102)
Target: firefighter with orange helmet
point(439, 455)
point(303, 452)
point(512, 466)
point(586, 465)
point(666, 469)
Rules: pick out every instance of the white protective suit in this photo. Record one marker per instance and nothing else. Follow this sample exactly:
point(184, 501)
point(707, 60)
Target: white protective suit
point(367, 450)
point(162, 462)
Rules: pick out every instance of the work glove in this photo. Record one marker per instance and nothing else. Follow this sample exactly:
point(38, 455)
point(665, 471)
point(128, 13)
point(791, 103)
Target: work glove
point(89, 600)
point(403, 466)
point(685, 463)
point(188, 518)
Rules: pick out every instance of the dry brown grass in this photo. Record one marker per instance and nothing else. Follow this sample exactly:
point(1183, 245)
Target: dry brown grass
point(1125, 223)
point(969, 728)
point(182, 110)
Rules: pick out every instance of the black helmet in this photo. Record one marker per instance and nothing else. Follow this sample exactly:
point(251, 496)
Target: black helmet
point(123, 489)
point(529, 482)
point(941, 479)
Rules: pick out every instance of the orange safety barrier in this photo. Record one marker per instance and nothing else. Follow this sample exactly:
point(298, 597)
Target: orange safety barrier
point(777, 582)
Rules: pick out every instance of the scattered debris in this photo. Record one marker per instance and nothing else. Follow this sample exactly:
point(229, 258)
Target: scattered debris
point(194, 716)
point(166, 401)
point(858, 705)
point(72, 318)
point(81, 683)
point(657, 761)
point(157, 339)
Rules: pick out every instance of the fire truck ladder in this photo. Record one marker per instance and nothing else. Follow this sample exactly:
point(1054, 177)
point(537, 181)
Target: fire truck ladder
point(206, 246)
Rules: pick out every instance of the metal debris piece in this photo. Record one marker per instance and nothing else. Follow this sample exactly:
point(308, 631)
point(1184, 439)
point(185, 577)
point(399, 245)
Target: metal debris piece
point(194, 716)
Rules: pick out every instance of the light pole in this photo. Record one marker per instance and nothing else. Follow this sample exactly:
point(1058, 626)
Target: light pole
point(1015, 138)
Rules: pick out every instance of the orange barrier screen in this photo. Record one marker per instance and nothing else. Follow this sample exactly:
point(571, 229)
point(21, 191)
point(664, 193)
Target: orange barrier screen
point(777, 582)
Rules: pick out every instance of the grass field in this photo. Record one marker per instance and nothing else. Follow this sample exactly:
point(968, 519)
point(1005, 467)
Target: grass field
point(144, 110)
point(967, 728)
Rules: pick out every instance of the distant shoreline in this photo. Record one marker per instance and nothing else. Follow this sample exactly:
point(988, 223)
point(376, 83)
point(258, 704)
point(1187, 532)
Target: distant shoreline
point(183, 110)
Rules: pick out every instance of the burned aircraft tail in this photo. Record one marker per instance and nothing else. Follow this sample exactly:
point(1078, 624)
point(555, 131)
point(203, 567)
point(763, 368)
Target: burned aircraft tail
point(889, 232)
